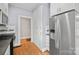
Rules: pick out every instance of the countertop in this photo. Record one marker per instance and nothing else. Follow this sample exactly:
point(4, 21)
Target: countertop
point(4, 42)
point(6, 32)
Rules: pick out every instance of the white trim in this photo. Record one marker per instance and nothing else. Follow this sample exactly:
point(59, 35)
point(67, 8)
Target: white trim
point(41, 26)
point(44, 49)
point(31, 29)
point(16, 44)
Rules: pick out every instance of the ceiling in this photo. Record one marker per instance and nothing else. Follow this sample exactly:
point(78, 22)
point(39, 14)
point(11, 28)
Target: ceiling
point(27, 6)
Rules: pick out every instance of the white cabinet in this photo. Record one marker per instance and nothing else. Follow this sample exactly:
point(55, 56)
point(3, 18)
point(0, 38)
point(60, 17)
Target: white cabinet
point(4, 7)
point(7, 51)
point(0, 16)
point(3, 17)
point(56, 8)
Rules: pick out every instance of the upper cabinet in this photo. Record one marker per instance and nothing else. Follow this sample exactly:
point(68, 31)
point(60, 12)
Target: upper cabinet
point(3, 13)
point(4, 7)
point(56, 8)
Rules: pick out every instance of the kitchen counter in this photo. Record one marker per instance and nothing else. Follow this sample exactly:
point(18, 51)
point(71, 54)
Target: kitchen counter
point(4, 42)
point(6, 32)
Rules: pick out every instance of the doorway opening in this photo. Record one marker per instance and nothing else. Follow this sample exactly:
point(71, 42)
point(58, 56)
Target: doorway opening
point(24, 29)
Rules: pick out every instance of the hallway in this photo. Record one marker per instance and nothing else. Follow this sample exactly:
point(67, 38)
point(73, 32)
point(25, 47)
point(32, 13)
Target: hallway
point(28, 48)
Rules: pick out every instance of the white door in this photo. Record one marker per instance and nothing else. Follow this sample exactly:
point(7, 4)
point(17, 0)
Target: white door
point(25, 27)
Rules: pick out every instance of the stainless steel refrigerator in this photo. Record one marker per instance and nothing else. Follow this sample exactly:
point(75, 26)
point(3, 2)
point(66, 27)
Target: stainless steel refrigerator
point(62, 33)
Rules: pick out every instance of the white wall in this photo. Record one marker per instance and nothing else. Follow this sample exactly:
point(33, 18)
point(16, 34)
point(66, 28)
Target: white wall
point(40, 22)
point(37, 27)
point(45, 27)
point(14, 14)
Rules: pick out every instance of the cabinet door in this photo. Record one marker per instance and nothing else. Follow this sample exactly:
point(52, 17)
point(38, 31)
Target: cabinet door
point(4, 7)
point(0, 17)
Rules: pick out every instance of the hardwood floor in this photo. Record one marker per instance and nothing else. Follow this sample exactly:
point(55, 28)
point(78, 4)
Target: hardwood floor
point(28, 48)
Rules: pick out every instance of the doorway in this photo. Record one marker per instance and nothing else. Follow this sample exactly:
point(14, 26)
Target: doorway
point(24, 28)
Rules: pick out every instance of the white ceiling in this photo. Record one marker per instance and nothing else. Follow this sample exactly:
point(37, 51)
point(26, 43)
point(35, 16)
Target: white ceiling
point(27, 6)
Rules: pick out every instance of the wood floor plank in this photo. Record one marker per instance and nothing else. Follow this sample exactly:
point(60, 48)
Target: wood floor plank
point(28, 48)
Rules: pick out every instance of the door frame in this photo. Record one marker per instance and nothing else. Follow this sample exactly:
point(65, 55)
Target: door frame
point(19, 21)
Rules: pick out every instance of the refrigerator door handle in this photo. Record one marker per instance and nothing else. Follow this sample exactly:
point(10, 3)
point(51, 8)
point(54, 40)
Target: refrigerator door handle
point(58, 33)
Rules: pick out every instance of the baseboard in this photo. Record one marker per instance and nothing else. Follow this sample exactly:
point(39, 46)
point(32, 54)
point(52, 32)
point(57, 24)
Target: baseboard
point(44, 49)
point(28, 39)
point(41, 49)
point(17, 45)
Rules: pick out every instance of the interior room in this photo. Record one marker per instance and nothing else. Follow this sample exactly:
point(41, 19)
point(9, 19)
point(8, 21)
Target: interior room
point(39, 28)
